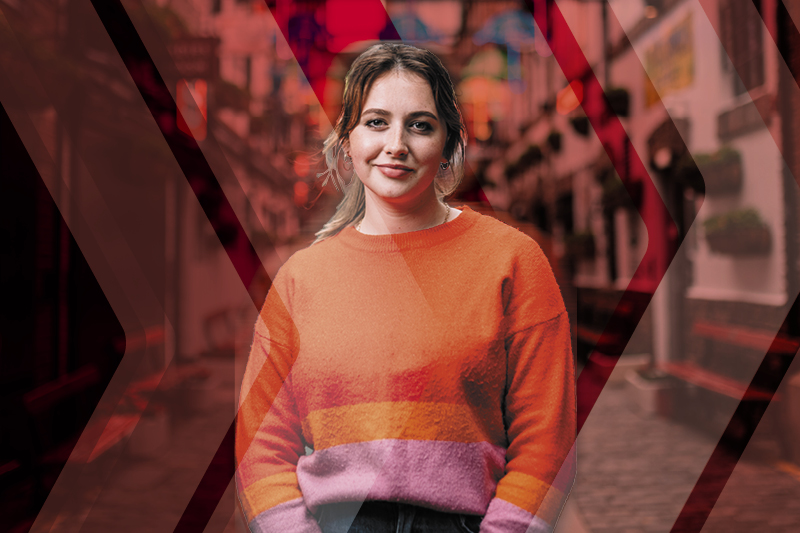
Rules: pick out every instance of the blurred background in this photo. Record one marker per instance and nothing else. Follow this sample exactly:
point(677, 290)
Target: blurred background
point(160, 159)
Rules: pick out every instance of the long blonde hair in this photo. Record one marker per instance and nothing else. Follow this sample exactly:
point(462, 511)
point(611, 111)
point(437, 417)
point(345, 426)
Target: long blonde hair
point(368, 67)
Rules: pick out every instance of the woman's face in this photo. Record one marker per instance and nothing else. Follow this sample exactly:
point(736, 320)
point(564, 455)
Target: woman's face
point(397, 145)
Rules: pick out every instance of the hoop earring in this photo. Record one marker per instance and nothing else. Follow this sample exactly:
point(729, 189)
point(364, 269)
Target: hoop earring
point(445, 165)
point(348, 163)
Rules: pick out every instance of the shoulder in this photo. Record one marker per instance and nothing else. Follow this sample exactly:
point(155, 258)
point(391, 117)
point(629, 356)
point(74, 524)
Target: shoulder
point(500, 240)
point(310, 263)
point(530, 291)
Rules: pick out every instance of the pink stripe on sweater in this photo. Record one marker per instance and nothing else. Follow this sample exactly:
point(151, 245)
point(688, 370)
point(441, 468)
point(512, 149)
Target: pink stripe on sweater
point(448, 476)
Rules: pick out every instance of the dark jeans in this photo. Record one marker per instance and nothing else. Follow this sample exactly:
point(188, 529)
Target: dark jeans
point(388, 517)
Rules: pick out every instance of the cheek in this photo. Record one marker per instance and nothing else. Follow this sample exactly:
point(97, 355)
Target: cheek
point(430, 152)
point(363, 147)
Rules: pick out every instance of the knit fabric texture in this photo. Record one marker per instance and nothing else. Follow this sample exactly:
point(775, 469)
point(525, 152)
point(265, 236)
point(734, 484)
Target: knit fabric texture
point(432, 368)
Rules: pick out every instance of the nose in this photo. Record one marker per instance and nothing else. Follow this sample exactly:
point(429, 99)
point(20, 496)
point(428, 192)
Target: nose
point(396, 142)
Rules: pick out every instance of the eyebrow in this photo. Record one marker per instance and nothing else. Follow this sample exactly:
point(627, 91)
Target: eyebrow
point(415, 114)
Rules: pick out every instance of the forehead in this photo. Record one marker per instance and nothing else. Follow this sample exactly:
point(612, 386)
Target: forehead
point(400, 91)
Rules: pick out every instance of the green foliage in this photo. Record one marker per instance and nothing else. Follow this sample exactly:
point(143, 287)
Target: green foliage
point(168, 22)
point(532, 156)
point(725, 154)
point(739, 219)
point(580, 245)
point(619, 99)
point(554, 140)
point(617, 92)
point(581, 236)
point(612, 183)
point(580, 124)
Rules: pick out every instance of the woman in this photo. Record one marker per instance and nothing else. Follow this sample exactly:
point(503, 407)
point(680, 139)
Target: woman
point(421, 351)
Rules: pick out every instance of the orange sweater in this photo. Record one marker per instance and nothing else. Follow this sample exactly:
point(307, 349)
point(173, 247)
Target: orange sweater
point(431, 368)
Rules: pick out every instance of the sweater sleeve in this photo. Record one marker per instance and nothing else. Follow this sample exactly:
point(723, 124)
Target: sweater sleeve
point(540, 404)
point(268, 430)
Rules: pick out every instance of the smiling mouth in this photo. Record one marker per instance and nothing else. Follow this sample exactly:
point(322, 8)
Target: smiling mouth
point(394, 171)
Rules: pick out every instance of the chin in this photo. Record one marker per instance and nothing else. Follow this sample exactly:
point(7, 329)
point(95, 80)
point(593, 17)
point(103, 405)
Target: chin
point(397, 189)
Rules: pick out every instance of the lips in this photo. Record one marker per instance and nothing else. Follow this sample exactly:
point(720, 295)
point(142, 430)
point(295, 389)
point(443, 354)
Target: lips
point(394, 171)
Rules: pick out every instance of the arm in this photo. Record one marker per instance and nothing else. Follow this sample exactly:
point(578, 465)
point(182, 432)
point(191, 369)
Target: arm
point(540, 406)
point(268, 434)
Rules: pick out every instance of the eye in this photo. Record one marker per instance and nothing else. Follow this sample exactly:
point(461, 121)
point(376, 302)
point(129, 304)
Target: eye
point(375, 123)
point(421, 126)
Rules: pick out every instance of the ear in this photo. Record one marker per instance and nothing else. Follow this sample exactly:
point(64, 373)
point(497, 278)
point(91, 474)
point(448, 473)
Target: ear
point(346, 147)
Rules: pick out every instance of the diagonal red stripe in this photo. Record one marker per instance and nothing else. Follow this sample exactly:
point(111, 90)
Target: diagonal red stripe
point(659, 224)
point(731, 445)
point(187, 153)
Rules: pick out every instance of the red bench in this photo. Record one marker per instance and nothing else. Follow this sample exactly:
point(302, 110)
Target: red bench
point(744, 336)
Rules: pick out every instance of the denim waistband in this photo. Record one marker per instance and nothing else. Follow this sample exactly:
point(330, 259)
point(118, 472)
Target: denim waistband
point(392, 517)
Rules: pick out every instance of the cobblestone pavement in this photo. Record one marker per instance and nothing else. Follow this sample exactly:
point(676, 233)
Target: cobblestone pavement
point(635, 474)
point(133, 492)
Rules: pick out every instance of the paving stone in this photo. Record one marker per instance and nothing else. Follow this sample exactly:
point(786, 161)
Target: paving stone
point(635, 474)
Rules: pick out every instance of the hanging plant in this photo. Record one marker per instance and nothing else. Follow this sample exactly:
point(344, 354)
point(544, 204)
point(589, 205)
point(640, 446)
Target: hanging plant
point(740, 233)
point(619, 99)
point(531, 156)
point(580, 245)
point(580, 124)
point(714, 174)
point(616, 194)
point(722, 171)
point(554, 141)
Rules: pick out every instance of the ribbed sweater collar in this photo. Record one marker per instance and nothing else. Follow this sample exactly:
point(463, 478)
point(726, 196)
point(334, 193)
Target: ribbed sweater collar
point(398, 242)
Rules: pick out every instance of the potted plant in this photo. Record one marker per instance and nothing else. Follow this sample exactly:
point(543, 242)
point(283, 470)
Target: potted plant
point(741, 232)
point(512, 170)
point(619, 99)
point(580, 124)
point(617, 194)
point(531, 156)
point(722, 171)
point(580, 245)
point(554, 141)
point(714, 174)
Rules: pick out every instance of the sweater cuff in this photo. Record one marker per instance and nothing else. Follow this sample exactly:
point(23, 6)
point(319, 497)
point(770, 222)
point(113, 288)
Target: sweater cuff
point(289, 517)
point(530, 494)
point(505, 517)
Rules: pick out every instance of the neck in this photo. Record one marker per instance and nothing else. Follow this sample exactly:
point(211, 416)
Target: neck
point(382, 217)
